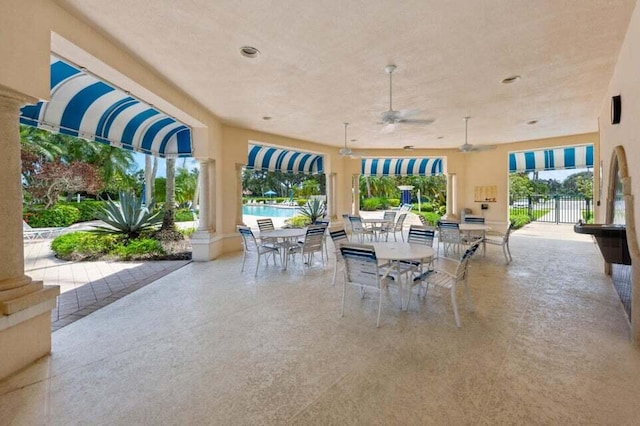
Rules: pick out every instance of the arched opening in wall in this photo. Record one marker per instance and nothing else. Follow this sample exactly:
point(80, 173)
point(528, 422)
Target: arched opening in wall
point(553, 185)
point(619, 210)
point(284, 184)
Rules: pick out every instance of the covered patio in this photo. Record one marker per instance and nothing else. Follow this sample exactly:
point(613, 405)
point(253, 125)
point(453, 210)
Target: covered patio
point(205, 345)
point(548, 341)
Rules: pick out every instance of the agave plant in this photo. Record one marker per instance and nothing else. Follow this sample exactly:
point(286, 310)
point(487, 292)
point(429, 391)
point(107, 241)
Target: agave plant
point(127, 217)
point(313, 210)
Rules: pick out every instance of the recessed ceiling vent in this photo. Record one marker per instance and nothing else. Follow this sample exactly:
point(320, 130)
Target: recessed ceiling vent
point(249, 52)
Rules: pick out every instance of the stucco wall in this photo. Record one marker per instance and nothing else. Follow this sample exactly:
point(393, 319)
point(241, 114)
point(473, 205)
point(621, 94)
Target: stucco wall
point(626, 82)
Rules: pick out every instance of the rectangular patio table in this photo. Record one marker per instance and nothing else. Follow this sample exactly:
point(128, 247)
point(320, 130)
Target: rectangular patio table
point(395, 253)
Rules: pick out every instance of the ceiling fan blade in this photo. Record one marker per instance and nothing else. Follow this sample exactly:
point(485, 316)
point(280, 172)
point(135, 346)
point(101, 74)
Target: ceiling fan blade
point(408, 113)
point(389, 128)
point(417, 121)
point(483, 147)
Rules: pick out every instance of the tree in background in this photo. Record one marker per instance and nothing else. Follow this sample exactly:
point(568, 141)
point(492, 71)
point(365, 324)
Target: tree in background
point(520, 187)
point(150, 172)
point(114, 165)
point(186, 187)
point(168, 230)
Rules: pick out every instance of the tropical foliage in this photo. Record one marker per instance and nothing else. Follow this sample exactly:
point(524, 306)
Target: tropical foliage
point(127, 217)
point(383, 189)
point(314, 209)
point(258, 182)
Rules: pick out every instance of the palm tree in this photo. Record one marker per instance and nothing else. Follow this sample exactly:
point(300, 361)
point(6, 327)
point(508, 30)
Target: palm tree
point(39, 142)
point(150, 172)
point(168, 231)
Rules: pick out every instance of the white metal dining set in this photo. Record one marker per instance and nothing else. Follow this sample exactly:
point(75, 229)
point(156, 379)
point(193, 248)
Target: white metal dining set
point(371, 262)
point(284, 243)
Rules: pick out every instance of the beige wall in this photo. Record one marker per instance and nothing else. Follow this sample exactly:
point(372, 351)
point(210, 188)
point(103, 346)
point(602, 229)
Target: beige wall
point(626, 82)
point(24, 67)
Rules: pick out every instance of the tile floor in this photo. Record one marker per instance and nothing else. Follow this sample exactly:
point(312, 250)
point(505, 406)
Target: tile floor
point(88, 286)
point(546, 344)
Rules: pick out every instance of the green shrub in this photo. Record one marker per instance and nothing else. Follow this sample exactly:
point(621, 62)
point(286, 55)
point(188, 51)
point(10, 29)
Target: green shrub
point(587, 216)
point(82, 245)
point(519, 220)
point(87, 208)
point(138, 248)
point(427, 207)
point(313, 210)
point(394, 202)
point(298, 221)
point(432, 218)
point(57, 216)
point(370, 204)
point(187, 232)
point(301, 201)
point(184, 215)
point(127, 217)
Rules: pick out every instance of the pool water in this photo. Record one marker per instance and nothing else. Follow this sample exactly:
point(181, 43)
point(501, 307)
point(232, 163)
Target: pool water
point(269, 211)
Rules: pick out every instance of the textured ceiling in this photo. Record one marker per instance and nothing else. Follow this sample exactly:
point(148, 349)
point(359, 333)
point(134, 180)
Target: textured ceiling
point(322, 63)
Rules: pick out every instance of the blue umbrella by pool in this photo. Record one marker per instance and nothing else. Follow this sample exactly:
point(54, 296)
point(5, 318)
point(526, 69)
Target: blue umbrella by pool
point(270, 193)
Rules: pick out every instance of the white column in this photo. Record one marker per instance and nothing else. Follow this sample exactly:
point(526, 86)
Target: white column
point(454, 195)
point(25, 305)
point(203, 182)
point(331, 195)
point(12, 247)
point(239, 194)
point(355, 190)
point(451, 197)
point(213, 203)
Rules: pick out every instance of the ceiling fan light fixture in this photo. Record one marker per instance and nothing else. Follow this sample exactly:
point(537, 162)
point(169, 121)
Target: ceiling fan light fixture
point(511, 79)
point(532, 122)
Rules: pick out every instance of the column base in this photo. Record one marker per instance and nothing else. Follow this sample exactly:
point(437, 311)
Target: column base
point(207, 246)
point(451, 217)
point(25, 337)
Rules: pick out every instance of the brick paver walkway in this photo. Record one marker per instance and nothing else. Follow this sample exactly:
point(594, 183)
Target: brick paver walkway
point(88, 286)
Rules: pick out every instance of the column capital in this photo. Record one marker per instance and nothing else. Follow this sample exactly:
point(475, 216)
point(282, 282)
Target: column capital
point(14, 99)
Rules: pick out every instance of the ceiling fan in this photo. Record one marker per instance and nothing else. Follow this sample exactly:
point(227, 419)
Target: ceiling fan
point(467, 147)
point(346, 151)
point(391, 117)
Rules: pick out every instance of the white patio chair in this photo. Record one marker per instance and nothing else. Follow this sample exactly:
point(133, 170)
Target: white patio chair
point(397, 227)
point(339, 237)
point(250, 245)
point(32, 234)
point(313, 243)
point(358, 230)
point(449, 237)
point(448, 273)
point(501, 240)
point(419, 235)
point(361, 270)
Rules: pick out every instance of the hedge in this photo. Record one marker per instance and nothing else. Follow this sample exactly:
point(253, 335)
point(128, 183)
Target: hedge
point(57, 216)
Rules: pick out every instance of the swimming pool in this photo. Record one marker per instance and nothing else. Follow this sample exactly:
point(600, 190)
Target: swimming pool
point(269, 211)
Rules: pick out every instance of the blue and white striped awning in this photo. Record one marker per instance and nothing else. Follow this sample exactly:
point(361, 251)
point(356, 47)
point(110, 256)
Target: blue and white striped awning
point(84, 106)
point(283, 160)
point(576, 157)
point(401, 166)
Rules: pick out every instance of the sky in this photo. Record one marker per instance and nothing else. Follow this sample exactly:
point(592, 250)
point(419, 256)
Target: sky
point(189, 162)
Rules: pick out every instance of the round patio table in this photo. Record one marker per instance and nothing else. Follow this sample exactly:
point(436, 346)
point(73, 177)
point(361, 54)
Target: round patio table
point(395, 252)
point(286, 237)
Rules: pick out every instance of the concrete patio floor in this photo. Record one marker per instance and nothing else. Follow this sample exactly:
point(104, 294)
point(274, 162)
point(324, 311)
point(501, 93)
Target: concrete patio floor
point(207, 344)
